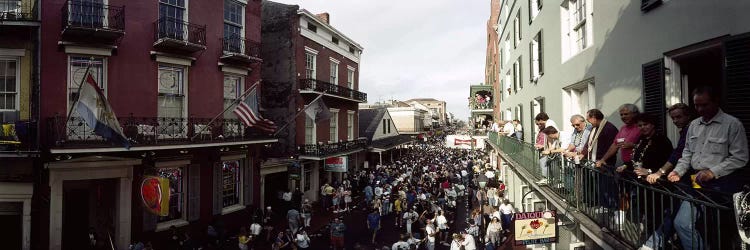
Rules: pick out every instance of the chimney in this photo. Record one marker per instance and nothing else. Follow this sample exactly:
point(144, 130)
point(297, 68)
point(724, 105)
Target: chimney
point(325, 17)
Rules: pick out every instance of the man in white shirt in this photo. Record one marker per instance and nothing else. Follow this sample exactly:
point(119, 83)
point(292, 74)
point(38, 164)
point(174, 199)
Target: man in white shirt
point(508, 128)
point(431, 232)
point(401, 244)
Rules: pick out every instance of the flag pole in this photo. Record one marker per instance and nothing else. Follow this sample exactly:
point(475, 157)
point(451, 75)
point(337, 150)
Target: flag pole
point(80, 86)
point(236, 101)
point(296, 115)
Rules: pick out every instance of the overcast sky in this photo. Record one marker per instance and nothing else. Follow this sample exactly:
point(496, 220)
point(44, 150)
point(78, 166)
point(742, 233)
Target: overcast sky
point(414, 48)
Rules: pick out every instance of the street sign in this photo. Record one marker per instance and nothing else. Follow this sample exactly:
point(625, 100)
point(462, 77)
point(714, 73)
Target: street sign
point(336, 164)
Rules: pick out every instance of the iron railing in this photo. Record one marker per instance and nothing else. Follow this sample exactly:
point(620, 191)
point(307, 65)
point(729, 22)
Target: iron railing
point(18, 10)
point(148, 131)
point(171, 28)
point(474, 105)
point(19, 136)
point(333, 89)
point(633, 210)
point(326, 149)
point(91, 15)
point(243, 46)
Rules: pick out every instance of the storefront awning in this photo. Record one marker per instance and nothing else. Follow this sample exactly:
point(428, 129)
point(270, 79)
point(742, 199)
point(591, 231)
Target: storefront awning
point(389, 143)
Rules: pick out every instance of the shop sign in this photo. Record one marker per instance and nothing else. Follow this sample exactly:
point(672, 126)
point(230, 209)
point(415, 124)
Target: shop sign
point(294, 170)
point(155, 195)
point(535, 227)
point(336, 164)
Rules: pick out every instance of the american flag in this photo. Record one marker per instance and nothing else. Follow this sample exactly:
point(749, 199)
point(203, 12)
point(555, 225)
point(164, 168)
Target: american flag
point(247, 111)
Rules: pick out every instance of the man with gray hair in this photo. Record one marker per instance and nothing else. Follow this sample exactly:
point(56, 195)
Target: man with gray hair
point(580, 136)
point(626, 138)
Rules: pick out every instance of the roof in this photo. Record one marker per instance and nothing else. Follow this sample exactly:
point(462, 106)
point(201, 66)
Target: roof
point(369, 119)
point(328, 26)
point(424, 100)
point(390, 142)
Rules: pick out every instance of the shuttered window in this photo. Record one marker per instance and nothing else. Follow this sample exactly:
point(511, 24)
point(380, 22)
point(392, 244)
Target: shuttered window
point(653, 92)
point(737, 77)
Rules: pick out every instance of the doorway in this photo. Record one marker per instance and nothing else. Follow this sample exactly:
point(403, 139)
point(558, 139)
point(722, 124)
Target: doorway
point(88, 207)
point(11, 233)
point(275, 184)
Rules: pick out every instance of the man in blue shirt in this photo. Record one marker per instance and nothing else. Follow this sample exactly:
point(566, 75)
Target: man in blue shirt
point(373, 223)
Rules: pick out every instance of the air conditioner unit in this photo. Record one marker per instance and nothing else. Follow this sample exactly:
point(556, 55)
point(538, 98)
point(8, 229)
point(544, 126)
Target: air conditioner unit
point(9, 116)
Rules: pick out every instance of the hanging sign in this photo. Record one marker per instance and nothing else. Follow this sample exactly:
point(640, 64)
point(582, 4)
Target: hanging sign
point(535, 227)
point(336, 164)
point(155, 195)
point(457, 141)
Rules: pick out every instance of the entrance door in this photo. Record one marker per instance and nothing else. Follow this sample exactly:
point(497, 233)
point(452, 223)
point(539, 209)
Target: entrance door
point(88, 205)
point(11, 231)
point(75, 218)
point(275, 185)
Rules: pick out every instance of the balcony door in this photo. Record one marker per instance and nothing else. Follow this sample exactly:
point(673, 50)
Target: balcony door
point(87, 13)
point(172, 19)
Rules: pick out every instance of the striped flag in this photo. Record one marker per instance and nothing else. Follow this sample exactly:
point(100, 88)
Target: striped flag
point(247, 111)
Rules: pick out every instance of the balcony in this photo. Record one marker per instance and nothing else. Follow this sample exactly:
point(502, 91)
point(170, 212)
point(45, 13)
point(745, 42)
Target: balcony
point(324, 150)
point(18, 138)
point(631, 209)
point(18, 11)
point(150, 131)
point(240, 50)
point(85, 21)
point(318, 86)
point(179, 36)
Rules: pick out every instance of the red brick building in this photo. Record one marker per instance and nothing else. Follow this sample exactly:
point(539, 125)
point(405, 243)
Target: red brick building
point(311, 59)
point(167, 68)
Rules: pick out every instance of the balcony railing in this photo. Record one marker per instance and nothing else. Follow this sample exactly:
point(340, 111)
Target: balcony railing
point(18, 137)
point(87, 20)
point(327, 149)
point(18, 10)
point(480, 106)
point(241, 49)
point(630, 208)
point(148, 131)
point(171, 33)
point(333, 89)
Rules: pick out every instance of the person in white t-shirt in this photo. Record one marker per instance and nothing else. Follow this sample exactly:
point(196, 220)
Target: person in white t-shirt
point(431, 232)
point(442, 225)
point(508, 128)
point(506, 211)
point(410, 216)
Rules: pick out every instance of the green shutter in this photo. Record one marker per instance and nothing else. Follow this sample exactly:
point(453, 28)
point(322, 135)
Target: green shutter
point(654, 102)
point(737, 77)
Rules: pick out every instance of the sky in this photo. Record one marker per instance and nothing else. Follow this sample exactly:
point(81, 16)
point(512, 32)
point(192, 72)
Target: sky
point(414, 48)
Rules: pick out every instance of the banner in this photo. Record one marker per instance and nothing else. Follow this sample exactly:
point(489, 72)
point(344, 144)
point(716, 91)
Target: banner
point(155, 195)
point(336, 164)
point(457, 141)
point(535, 227)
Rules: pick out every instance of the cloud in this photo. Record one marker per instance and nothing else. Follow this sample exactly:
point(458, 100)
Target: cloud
point(414, 48)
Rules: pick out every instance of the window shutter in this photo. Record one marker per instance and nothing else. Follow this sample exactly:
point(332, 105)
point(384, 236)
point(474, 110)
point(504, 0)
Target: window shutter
point(531, 59)
point(532, 131)
point(520, 75)
point(653, 92)
point(218, 193)
point(737, 77)
point(247, 190)
point(194, 192)
point(540, 54)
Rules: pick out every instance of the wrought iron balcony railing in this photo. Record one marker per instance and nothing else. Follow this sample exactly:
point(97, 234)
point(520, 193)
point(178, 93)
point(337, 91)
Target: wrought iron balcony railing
point(95, 16)
point(323, 150)
point(18, 137)
point(18, 10)
point(333, 89)
point(632, 209)
point(241, 46)
point(480, 106)
point(178, 34)
point(148, 131)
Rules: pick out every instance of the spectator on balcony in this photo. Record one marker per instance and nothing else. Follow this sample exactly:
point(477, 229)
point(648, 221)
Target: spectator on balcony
point(681, 115)
point(601, 137)
point(580, 136)
point(652, 150)
point(552, 146)
point(519, 129)
point(542, 121)
point(497, 126)
point(508, 128)
point(715, 149)
point(627, 137)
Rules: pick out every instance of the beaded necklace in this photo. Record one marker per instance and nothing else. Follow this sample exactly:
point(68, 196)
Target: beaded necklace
point(638, 162)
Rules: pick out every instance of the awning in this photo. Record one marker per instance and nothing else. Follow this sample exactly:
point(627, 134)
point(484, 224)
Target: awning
point(389, 143)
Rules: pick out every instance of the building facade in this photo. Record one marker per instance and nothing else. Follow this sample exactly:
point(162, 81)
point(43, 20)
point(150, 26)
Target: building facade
point(312, 61)
point(19, 116)
point(492, 60)
point(566, 57)
point(437, 108)
point(186, 62)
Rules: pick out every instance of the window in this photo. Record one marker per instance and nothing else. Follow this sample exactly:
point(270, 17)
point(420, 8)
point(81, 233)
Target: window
point(177, 201)
point(334, 72)
point(535, 6)
point(172, 106)
point(389, 126)
point(312, 27)
point(536, 57)
point(578, 98)
point(233, 26)
point(308, 178)
point(334, 127)
point(9, 84)
point(335, 40)
point(310, 65)
point(517, 30)
point(350, 126)
point(384, 126)
point(350, 78)
point(517, 85)
point(77, 70)
point(506, 48)
point(575, 27)
point(171, 17)
point(233, 89)
point(231, 174)
point(351, 50)
point(309, 131)
point(508, 82)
